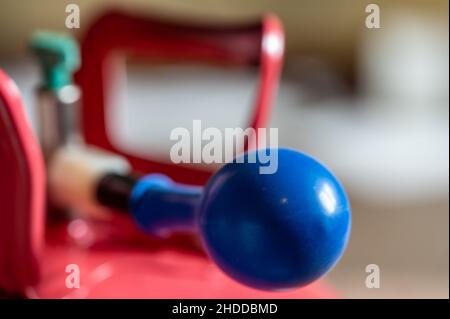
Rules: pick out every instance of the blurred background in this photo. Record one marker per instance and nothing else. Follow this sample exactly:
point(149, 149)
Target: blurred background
point(373, 104)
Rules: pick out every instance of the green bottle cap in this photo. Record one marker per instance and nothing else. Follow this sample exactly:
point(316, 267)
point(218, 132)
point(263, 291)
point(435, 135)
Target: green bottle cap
point(59, 57)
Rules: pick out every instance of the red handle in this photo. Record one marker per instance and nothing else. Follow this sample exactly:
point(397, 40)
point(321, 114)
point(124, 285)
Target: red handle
point(261, 43)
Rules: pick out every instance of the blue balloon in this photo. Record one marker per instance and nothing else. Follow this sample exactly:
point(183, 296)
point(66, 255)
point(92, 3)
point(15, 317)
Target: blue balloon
point(270, 228)
point(275, 231)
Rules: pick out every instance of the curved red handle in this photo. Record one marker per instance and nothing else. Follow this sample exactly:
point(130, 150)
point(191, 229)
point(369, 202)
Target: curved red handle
point(261, 43)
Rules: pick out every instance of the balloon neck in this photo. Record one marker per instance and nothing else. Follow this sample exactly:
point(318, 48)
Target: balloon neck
point(161, 206)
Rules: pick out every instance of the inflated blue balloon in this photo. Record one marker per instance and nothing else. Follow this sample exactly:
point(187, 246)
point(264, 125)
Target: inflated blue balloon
point(269, 231)
point(275, 231)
